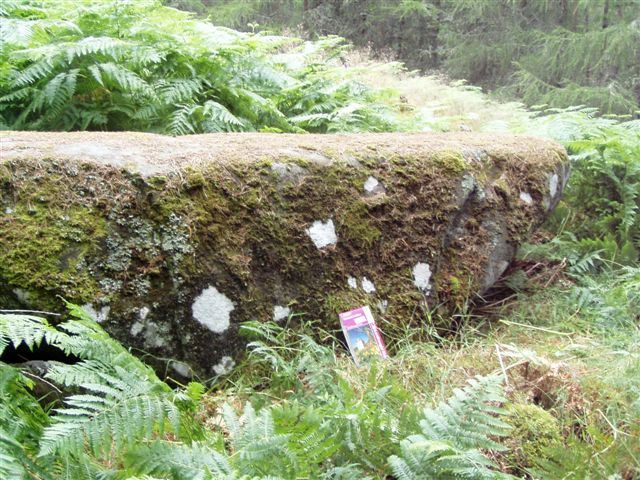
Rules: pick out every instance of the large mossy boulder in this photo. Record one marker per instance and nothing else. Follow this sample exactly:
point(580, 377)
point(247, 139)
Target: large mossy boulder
point(170, 243)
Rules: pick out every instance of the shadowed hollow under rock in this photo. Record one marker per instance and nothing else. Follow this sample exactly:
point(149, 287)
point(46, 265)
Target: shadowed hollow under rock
point(171, 242)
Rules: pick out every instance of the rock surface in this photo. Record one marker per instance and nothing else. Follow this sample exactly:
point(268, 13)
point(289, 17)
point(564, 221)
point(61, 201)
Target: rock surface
point(171, 242)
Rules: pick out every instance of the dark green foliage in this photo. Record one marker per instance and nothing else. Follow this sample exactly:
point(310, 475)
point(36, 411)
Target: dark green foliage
point(556, 52)
point(126, 422)
point(606, 186)
point(598, 220)
point(562, 53)
point(576, 459)
point(454, 436)
point(22, 421)
point(134, 65)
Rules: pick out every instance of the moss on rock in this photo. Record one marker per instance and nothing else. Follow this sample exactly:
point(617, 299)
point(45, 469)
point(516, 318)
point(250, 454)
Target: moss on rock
point(534, 433)
point(147, 228)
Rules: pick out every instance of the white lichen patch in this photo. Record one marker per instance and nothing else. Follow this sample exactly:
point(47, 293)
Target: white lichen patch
point(422, 276)
point(280, 313)
point(182, 369)
point(143, 312)
point(322, 234)
point(367, 285)
point(153, 336)
point(371, 184)
point(373, 187)
point(136, 328)
point(225, 366)
point(352, 282)
point(553, 185)
point(213, 309)
point(526, 198)
point(100, 315)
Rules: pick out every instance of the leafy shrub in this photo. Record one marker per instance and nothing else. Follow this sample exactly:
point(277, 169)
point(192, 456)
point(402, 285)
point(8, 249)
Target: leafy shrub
point(598, 220)
point(135, 65)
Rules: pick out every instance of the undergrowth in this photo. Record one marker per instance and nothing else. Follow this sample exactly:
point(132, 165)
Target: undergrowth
point(116, 419)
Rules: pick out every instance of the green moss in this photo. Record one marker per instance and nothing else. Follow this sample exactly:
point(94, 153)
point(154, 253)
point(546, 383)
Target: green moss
point(48, 248)
point(534, 432)
point(357, 224)
point(194, 179)
point(344, 299)
point(452, 162)
point(157, 182)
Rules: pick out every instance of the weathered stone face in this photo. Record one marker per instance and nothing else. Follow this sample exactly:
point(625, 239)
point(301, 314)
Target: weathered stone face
point(171, 242)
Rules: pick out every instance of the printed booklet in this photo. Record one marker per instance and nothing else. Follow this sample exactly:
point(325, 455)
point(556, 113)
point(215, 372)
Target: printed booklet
point(362, 334)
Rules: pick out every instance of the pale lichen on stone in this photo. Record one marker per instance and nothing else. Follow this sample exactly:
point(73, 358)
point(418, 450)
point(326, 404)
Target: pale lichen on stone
point(225, 366)
point(182, 369)
point(153, 335)
point(526, 198)
point(367, 285)
point(136, 328)
point(280, 313)
point(373, 186)
point(422, 276)
point(553, 185)
point(100, 315)
point(213, 309)
point(322, 234)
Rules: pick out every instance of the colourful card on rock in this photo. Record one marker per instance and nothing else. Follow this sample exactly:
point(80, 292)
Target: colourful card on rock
point(362, 334)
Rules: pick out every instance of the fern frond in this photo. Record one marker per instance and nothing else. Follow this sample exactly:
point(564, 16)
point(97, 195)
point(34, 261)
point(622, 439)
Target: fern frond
point(117, 413)
point(454, 435)
point(217, 118)
point(91, 46)
point(123, 78)
point(28, 330)
point(33, 73)
point(180, 123)
point(197, 462)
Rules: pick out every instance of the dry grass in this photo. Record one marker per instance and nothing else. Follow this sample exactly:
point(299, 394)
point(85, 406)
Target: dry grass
point(434, 102)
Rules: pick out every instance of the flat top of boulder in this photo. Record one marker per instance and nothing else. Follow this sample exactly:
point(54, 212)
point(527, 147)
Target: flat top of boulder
point(151, 154)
